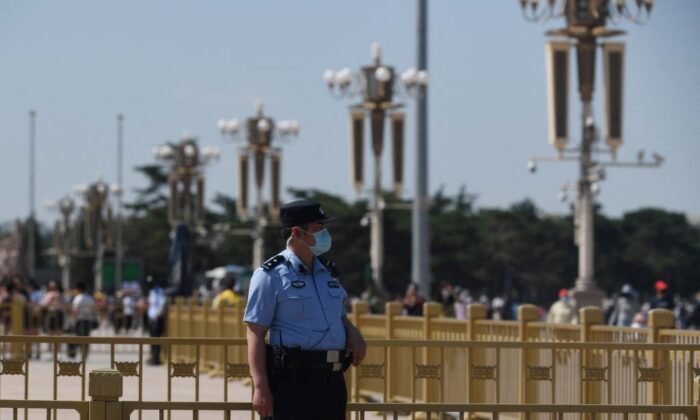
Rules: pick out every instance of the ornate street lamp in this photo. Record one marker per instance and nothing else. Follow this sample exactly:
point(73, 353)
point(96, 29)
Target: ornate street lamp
point(376, 85)
point(96, 216)
point(186, 210)
point(259, 132)
point(64, 240)
point(586, 25)
point(186, 179)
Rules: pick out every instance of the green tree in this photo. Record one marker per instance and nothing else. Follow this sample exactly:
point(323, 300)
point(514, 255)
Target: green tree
point(660, 244)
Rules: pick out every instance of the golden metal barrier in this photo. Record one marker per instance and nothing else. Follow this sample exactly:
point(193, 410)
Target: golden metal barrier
point(411, 370)
point(461, 411)
point(587, 365)
point(81, 407)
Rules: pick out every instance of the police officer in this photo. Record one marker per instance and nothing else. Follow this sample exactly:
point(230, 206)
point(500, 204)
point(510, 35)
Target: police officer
point(297, 299)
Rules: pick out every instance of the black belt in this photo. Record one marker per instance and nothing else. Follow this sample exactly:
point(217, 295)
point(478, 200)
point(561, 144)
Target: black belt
point(328, 360)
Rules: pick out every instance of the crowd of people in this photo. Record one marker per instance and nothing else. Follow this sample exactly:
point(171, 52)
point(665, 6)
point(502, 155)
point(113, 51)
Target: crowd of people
point(139, 309)
point(134, 309)
point(51, 310)
point(627, 308)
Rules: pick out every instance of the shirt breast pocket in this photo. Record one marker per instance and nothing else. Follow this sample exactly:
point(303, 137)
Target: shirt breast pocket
point(295, 303)
point(335, 299)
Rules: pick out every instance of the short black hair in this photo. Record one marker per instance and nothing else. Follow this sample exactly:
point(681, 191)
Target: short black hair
point(229, 281)
point(286, 232)
point(81, 286)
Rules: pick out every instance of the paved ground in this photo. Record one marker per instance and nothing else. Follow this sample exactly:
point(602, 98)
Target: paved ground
point(154, 387)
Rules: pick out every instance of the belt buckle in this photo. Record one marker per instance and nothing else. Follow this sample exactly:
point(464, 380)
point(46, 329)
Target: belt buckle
point(332, 356)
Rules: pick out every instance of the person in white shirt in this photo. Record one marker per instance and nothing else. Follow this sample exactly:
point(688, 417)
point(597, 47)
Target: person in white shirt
point(83, 313)
point(156, 316)
point(562, 311)
point(129, 306)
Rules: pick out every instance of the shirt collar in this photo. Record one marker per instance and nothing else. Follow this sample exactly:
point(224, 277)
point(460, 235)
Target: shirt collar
point(298, 266)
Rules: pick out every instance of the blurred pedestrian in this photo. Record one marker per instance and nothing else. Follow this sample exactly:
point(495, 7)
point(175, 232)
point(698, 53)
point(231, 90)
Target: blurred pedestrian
point(11, 295)
point(562, 311)
point(692, 319)
point(413, 301)
point(227, 297)
point(447, 298)
point(53, 306)
point(129, 309)
point(625, 307)
point(663, 298)
point(639, 321)
point(156, 316)
point(83, 315)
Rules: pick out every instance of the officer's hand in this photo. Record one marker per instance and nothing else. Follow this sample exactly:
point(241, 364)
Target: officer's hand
point(262, 401)
point(356, 345)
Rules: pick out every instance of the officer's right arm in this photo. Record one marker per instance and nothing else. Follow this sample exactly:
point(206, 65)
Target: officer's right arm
point(262, 395)
point(258, 317)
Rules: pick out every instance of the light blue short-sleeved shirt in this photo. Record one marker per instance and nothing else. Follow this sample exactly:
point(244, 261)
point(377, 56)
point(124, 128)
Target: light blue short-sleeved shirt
point(300, 307)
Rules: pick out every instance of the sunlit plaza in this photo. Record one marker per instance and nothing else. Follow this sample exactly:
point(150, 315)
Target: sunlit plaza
point(457, 209)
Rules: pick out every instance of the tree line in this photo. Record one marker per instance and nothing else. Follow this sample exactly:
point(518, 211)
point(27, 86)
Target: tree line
point(518, 250)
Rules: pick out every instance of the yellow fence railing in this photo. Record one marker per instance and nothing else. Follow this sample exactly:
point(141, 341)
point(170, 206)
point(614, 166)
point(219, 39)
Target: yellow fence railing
point(594, 367)
point(639, 376)
point(434, 371)
point(429, 359)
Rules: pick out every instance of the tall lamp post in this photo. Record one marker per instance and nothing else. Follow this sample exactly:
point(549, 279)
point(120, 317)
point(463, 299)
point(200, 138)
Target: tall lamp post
point(63, 237)
point(420, 264)
point(31, 231)
point(186, 210)
point(186, 179)
point(118, 192)
point(585, 25)
point(97, 224)
point(376, 84)
point(260, 132)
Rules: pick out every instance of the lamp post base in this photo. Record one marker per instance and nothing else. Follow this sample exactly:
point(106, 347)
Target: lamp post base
point(586, 293)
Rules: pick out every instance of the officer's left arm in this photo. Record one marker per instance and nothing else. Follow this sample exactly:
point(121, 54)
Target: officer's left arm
point(355, 343)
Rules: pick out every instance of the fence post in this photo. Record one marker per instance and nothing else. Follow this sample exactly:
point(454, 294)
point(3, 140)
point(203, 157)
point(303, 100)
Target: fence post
point(105, 388)
point(220, 334)
point(206, 362)
point(591, 392)
point(476, 390)
point(359, 308)
point(17, 325)
point(240, 330)
point(177, 350)
point(660, 319)
point(391, 310)
point(190, 301)
point(527, 394)
point(432, 355)
point(697, 398)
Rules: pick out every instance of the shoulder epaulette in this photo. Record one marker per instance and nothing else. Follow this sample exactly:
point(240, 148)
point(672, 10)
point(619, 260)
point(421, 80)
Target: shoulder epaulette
point(331, 266)
point(272, 262)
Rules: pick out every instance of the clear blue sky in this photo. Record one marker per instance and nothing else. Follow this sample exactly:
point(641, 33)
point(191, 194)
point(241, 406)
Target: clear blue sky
point(175, 65)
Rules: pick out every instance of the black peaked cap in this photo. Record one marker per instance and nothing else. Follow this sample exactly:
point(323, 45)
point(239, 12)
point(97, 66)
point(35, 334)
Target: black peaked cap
point(302, 212)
